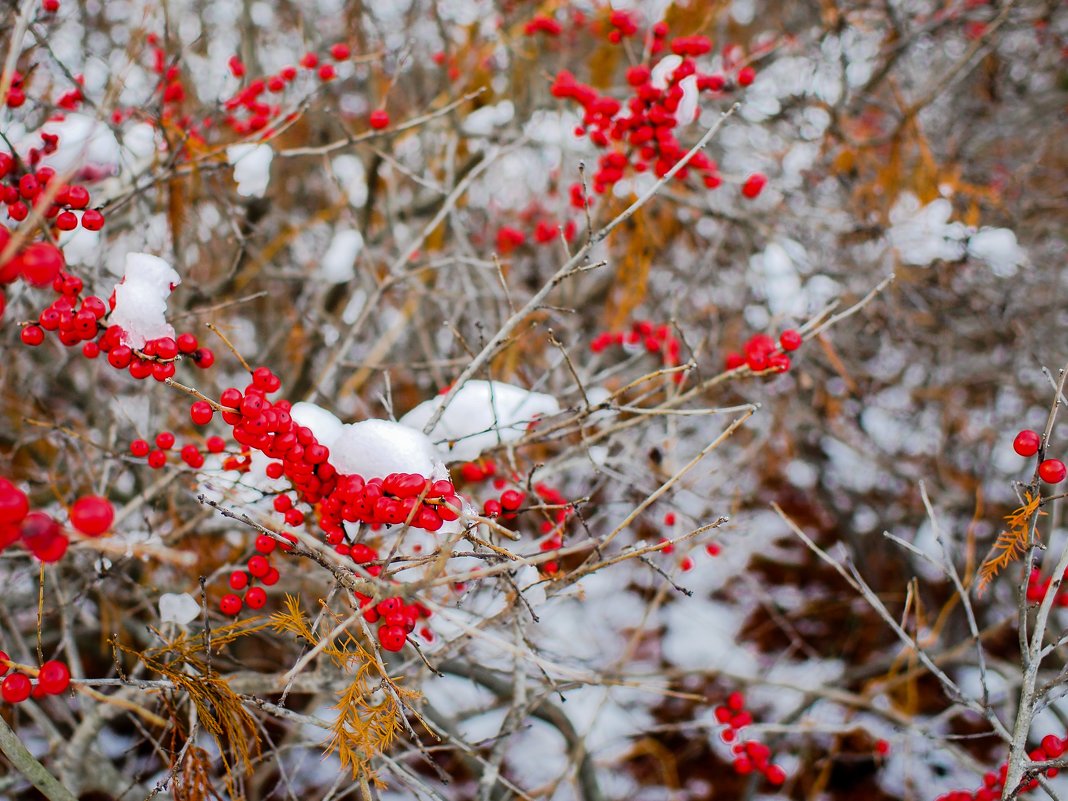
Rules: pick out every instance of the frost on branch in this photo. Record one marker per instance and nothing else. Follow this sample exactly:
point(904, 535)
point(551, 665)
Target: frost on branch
point(482, 415)
point(141, 299)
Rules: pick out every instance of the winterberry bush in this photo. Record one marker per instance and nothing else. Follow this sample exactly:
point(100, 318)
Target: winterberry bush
point(487, 400)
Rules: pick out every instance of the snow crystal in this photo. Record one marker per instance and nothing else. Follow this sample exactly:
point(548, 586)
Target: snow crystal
point(380, 447)
point(252, 168)
point(998, 248)
point(323, 424)
point(480, 416)
point(339, 261)
point(922, 234)
point(141, 299)
point(180, 608)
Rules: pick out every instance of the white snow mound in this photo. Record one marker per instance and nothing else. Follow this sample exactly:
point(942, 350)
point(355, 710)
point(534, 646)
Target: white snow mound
point(339, 262)
point(483, 415)
point(252, 168)
point(323, 424)
point(379, 447)
point(141, 299)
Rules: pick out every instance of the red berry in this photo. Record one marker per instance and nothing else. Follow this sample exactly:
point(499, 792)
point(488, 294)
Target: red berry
point(165, 440)
point(379, 119)
point(192, 456)
point(746, 75)
point(339, 52)
point(256, 597)
point(1053, 746)
point(512, 500)
point(258, 566)
point(201, 413)
point(92, 515)
point(1026, 443)
point(230, 605)
point(392, 638)
point(790, 340)
point(40, 263)
point(238, 580)
point(14, 506)
point(139, 448)
point(187, 343)
point(204, 358)
point(754, 185)
point(775, 775)
point(92, 220)
point(15, 688)
point(1052, 471)
point(216, 444)
point(157, 459)
point(53, 678)
point(327, 72)
point(43, 537)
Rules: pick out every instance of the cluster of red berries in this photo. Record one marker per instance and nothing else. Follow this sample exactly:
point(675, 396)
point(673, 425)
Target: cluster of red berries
point(38, 532)
point(614, 27)
point(258, 568)
point(1051, 747)
point(542, 24)
point(246, 110)
point(749, 756)
point(686, 564)
point(644, 130)
point(643, 334)
point(22, 188)
point(760, 352)
point(189, 453)
point(391, 500)
point(53, 678)
point(260, 424)
point(38, 264)
point(1027, 443)
point(82, 321)
point(545, 232)
point(397, 620)
point(509, 501)
point(1037, 586)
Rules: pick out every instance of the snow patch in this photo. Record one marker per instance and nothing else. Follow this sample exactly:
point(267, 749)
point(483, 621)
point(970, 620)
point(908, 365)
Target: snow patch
point(379, 447)
point(482, 415)
point(339, 261)
point(141, 299)
point(923, 234)
point(324, 425)
point(998, 248)
point(252, 168)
